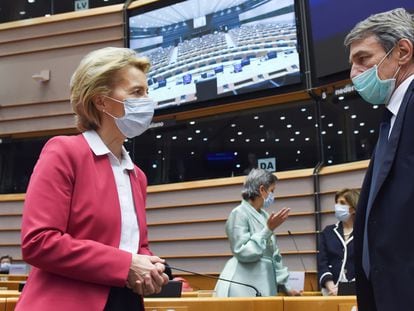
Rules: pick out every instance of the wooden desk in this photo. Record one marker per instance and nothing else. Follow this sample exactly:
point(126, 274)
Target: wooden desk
point(215, 304)
point(324, 303)
point(304, 303)
point(10, 303)
point(189, 294)
point(9, 293)
point(13, 277)
point(9, 285)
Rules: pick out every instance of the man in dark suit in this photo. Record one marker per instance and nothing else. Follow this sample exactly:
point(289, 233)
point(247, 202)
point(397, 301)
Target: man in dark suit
point(381, 55)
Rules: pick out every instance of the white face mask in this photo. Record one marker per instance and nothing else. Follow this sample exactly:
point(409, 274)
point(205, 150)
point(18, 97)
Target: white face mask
point(5, 266)
point(342, 212)
point(137, 118)
point(269, 200)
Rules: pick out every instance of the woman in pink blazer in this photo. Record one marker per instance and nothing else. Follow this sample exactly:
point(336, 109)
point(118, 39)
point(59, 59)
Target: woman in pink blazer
point(84, 229)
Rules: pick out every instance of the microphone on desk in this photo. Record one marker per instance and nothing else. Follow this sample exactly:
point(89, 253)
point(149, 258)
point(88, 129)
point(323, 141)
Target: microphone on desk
point(258, 294)
point(299, 254)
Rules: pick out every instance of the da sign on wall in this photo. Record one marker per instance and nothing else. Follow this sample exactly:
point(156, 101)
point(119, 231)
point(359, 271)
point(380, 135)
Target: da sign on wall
point(268, 164)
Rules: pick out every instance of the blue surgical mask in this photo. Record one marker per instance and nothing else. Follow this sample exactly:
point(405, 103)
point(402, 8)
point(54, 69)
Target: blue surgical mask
point(269, 200)
point(342, 212)
point(137, 118)
point(5, 266)
point(371, 88)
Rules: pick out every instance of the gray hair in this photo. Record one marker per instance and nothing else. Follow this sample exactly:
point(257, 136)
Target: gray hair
point(388, 27)
point(256, 178)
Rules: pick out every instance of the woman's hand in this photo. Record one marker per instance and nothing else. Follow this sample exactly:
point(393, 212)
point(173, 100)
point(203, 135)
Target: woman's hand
point(332, 289)
point(293, 292)
point(275, 220)
point(146, 275)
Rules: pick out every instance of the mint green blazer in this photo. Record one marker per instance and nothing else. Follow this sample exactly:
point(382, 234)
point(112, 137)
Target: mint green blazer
point(256, 258)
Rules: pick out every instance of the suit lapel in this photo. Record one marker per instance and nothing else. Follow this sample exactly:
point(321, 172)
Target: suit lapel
point(393, 142)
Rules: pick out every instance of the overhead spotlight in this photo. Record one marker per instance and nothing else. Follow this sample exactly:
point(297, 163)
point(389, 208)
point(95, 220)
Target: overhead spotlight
point(31, 1)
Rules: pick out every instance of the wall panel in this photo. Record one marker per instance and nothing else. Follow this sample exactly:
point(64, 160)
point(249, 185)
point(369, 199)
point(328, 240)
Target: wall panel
point(55, 43)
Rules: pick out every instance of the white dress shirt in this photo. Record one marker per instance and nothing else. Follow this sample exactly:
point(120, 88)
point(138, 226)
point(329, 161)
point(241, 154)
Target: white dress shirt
point(129, 224)
point(397, 98)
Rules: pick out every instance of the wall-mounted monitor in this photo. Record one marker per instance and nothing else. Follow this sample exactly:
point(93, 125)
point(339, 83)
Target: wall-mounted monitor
point(209, 51)
point(330, 22)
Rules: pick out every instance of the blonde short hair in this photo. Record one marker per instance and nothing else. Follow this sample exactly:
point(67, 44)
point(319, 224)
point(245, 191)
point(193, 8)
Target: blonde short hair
point(94, 76)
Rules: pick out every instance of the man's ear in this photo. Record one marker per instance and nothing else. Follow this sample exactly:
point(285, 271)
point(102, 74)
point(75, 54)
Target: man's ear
point(406, 51)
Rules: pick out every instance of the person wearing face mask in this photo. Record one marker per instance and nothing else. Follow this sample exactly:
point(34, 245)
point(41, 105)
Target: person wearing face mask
point(381, 54)
point(336, 248)
point(256, 257)
point(84, 230)
point(5, 262)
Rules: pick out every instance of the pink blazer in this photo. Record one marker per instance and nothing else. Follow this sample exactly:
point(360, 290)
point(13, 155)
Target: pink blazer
point(71, 228)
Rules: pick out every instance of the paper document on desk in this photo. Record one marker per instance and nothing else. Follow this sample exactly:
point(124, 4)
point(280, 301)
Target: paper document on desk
point(296, 280)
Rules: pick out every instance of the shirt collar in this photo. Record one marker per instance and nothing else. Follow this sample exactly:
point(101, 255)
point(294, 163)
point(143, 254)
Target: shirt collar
point(398, 95)
point(99, 148)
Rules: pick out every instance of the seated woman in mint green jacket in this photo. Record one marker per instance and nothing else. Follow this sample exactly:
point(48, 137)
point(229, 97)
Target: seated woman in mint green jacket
point(256, 258)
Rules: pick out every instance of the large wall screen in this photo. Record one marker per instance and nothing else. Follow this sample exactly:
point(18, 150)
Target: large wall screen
point(202, 51)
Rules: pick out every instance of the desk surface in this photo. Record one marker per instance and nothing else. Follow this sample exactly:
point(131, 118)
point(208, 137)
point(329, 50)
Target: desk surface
point(9, 293)
point(304, 303)
point(214, 304)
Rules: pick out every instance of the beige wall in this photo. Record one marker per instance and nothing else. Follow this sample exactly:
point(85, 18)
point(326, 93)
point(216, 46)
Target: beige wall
point(56, 43)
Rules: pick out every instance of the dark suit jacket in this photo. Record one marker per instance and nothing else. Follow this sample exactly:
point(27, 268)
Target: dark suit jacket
point(390, 221)
point(335, 255)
